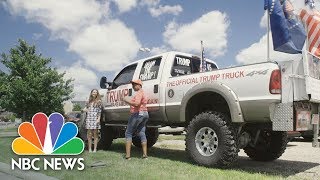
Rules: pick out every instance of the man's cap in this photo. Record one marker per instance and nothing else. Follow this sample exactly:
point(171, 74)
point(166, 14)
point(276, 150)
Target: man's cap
point(137, 81)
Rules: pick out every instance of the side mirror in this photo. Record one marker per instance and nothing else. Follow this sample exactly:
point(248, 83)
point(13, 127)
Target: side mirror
point(103, 82)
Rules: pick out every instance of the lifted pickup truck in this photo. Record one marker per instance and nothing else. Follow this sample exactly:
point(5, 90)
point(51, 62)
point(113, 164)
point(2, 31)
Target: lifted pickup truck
point(223, 110)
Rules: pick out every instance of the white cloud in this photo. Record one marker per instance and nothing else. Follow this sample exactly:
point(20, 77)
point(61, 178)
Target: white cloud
point(102, 43)
point(257, 52)
point(36, 36)
point(63, 18)
point(125, 5)
point(211, 28)
point(159, 50)
point(174, 10)
point(85, 80)
point(264, 20)
point(88, 30)
point(106, 47)
point(149, 3)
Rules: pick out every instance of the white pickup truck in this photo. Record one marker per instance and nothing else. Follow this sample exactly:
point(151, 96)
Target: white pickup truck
point(223, 110)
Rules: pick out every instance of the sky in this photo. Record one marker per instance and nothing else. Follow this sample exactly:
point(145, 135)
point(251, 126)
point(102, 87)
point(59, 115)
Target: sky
point(88, 39)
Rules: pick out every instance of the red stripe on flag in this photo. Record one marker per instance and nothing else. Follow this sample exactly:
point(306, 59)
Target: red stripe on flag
point(314, 41)
point(303, 13)
point(315, 38)
point(309, 20)
point(313, 28)
point(288, 6)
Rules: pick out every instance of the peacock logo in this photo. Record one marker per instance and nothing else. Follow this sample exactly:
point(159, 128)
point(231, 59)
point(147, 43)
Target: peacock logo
point(47, 136)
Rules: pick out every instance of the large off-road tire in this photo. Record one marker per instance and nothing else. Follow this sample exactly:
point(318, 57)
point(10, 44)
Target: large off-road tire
point(107, 136)
point(210, 140)
point(308, 137)
point(152, 135)
point(270, 146)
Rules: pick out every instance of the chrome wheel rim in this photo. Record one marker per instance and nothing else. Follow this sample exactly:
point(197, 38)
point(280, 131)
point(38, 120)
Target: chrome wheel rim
point(206, 141)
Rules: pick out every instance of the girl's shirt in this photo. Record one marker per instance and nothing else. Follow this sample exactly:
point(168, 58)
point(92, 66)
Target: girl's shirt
point(94, 107)
point(142, 100)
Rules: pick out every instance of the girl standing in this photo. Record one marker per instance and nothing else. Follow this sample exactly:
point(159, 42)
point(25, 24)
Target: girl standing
point(93, 109)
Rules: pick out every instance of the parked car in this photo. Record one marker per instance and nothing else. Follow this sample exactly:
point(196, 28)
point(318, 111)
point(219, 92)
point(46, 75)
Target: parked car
point(73, 116)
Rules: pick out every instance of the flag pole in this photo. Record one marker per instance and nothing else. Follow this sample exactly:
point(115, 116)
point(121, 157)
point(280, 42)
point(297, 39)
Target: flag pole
point(201, 62)
point(268, 36)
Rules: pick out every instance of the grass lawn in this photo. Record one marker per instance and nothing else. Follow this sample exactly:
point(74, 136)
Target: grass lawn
point(162, 164)
point(9, 129)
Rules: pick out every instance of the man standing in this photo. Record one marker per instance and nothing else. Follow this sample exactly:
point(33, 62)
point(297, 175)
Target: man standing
point(138, 119)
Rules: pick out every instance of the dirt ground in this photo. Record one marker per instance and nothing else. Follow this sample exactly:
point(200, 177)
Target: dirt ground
point(300, 160)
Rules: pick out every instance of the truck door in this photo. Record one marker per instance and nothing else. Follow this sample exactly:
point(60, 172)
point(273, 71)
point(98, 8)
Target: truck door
point(151, 76)
point(116, 109)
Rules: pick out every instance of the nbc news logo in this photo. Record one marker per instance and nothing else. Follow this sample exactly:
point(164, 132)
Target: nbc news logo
point(47, 136)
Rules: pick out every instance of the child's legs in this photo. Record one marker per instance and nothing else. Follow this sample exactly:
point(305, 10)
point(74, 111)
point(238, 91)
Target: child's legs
point(89, 137)
point(96, 138)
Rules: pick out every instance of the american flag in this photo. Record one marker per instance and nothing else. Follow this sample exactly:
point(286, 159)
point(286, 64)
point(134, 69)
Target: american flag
point(288, 7)
point(311, 18)
point(203, 60)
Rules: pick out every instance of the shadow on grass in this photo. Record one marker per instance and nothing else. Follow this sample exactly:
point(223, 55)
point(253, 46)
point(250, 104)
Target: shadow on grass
point(302, 140)
point(170, 154)
point(282, 168)
point(278, 167)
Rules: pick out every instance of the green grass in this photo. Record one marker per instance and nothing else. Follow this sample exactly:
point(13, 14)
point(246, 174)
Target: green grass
point(162, 164)
point(10, 129)
point(170, 137)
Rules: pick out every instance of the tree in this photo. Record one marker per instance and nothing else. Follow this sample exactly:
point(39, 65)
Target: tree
point(31, 85)
point(2, 84)
point(10, 117)
point(77, 107)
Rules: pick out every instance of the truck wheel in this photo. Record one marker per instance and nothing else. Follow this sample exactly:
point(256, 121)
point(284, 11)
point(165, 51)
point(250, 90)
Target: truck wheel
point(307, 137)
point(152, 135)
point(107, 134)
point(270, 146)
point(210, 141)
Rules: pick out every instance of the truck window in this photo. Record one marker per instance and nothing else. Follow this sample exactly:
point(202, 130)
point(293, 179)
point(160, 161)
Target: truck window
point(150, 69)
point(196, 66)
point(125, 76)
point(211, 66)
point(181, 66)
point(186, 65)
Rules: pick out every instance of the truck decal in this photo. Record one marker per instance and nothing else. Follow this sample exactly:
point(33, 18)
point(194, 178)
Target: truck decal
point(206, 78)
point(115, 96)
point(183, 61)
point(262, 72)
point(121, 103)
point(148, 74)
